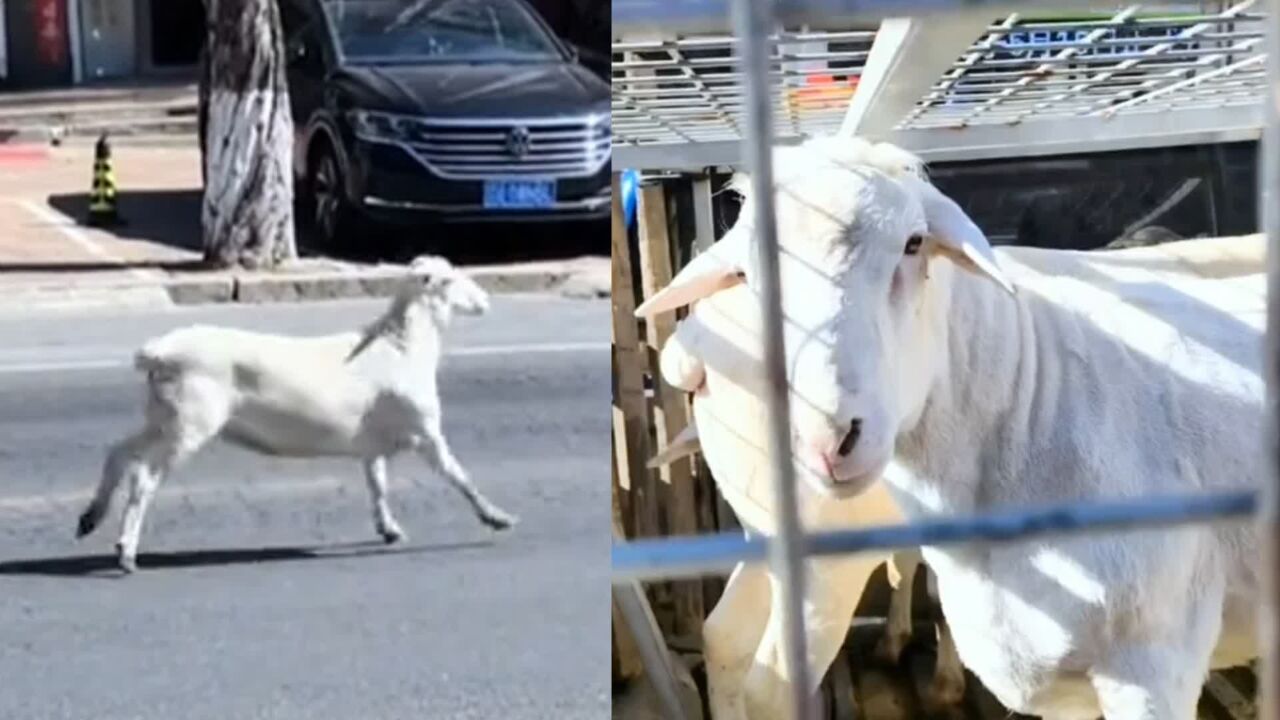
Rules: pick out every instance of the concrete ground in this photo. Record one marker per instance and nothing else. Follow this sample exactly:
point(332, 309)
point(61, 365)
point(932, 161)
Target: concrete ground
point(262, 594)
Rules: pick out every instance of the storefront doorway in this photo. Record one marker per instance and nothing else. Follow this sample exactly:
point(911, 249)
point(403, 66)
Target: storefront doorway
point(108, 39)
point(174, 34)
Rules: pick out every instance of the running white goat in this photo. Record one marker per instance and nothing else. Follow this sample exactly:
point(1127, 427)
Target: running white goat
point(715, 354)
point(1096, 379)
point(369, 394)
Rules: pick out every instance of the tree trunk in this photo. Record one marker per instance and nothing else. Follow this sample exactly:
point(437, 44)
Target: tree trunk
point(248, 137)
point(202, 109)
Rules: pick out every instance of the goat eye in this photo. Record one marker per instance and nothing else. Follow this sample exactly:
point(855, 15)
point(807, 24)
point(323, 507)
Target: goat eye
point(913, 245)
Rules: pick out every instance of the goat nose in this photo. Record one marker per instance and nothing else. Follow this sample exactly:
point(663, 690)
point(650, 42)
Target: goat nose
point(850, 438)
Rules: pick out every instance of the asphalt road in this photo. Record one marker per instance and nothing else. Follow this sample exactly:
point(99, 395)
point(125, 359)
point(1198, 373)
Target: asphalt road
point(262, 592)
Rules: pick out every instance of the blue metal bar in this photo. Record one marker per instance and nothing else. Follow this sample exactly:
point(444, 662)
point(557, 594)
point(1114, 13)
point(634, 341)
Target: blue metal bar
point(719, 553)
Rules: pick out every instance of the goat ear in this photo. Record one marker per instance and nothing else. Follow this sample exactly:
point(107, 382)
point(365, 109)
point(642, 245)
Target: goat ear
point(682, 445)
point(705, 275)
point(677, 365)
point(957, 236)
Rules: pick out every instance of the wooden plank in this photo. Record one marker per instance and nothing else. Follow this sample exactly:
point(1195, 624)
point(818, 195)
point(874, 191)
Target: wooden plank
point(671, 410)
point(630, 418)
point(621, 498)
point(631, 413)
point(627, 662)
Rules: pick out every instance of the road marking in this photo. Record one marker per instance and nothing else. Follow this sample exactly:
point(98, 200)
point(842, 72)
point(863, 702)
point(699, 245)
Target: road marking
point(473, 351)
point(170, 493)
point(72, 232)
point(529, 348)
point(71, 365)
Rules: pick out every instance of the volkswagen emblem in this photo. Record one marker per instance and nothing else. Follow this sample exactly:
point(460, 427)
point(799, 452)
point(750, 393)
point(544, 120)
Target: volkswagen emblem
point(518, 142)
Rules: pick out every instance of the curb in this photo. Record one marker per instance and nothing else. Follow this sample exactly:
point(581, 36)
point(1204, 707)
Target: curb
point(573, 279)
point(254, 289)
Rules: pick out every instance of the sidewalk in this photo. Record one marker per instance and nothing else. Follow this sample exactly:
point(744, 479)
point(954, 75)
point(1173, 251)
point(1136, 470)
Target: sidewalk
point(121, 108)
point(49, 258)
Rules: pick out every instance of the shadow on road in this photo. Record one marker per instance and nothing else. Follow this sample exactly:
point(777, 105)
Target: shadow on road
point(93, 565)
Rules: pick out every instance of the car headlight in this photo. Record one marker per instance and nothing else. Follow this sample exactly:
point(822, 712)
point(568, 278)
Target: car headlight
point(370, 125)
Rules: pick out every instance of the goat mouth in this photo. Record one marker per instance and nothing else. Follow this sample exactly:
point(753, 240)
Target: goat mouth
point(844, 485)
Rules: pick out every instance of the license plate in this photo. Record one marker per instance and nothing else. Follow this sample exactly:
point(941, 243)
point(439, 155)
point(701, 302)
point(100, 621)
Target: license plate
point(519, 194)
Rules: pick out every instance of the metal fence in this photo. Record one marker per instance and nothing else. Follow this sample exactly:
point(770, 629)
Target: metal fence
point(1013, 82)
point(755, 23)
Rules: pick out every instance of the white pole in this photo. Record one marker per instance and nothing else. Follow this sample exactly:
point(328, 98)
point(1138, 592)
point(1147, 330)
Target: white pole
point(1269, 508)
point(753, 23)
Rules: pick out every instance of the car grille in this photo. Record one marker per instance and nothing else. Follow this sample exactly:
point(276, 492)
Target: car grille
point(474, 150)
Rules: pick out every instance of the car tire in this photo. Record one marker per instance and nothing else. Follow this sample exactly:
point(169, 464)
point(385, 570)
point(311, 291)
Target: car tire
point(330, 220)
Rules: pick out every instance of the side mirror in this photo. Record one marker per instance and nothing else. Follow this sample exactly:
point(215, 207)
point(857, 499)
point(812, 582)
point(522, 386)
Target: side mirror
point(574, 53)
point(295, 51)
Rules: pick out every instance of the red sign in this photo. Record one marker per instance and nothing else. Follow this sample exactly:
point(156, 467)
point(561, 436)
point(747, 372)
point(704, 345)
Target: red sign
point(51, 30)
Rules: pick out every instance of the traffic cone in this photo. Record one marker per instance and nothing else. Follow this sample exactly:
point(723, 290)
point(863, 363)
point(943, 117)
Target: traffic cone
point(102, 196)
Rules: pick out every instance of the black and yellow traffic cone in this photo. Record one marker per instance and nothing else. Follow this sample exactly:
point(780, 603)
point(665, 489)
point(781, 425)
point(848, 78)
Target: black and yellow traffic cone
point(102, 197)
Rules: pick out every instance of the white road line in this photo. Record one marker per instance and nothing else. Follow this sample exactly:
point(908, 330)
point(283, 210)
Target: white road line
point(529, 348)
point(70, 365)
point(25, 504)
point(72, 232)
point(476, 350)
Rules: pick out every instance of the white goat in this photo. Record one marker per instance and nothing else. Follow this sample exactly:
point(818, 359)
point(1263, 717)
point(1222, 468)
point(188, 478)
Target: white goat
point(369, 394)
point(715, 353)
point(1096, 379)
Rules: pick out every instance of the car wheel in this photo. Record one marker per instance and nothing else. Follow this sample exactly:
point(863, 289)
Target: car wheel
point(328, 214)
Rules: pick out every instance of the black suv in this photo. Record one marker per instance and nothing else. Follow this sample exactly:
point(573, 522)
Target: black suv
point(408, 110)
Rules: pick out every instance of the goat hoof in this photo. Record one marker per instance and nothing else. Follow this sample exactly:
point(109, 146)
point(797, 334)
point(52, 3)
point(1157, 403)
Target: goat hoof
point(88, 523)
point(392, 536)
point(127, 563)
point(500, 521)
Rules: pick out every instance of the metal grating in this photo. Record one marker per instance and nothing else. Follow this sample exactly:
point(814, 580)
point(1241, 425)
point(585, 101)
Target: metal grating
point(678, 98)
point(1024, 70)
point(690, 90)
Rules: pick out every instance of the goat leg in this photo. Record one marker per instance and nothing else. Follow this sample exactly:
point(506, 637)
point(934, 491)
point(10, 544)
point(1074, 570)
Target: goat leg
point(436, 452)
point(947, 687)
point(730, 636)
point(375, 473)
point(898, 630)
point(120, 462)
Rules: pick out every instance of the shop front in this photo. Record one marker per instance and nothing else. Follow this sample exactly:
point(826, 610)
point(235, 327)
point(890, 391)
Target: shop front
point(53, 43)
point(37, 44)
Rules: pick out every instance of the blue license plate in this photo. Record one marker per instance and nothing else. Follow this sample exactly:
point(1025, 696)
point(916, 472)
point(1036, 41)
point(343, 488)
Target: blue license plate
point(519, 194)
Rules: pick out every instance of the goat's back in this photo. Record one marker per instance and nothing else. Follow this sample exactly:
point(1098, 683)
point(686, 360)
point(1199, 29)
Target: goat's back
point(217, 349)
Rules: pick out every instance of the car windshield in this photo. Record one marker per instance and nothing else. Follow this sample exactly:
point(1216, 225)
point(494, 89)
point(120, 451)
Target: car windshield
point(395, 31)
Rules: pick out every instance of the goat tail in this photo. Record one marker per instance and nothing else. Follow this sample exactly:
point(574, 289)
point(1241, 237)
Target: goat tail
point(148, 358)
point(156, 358)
